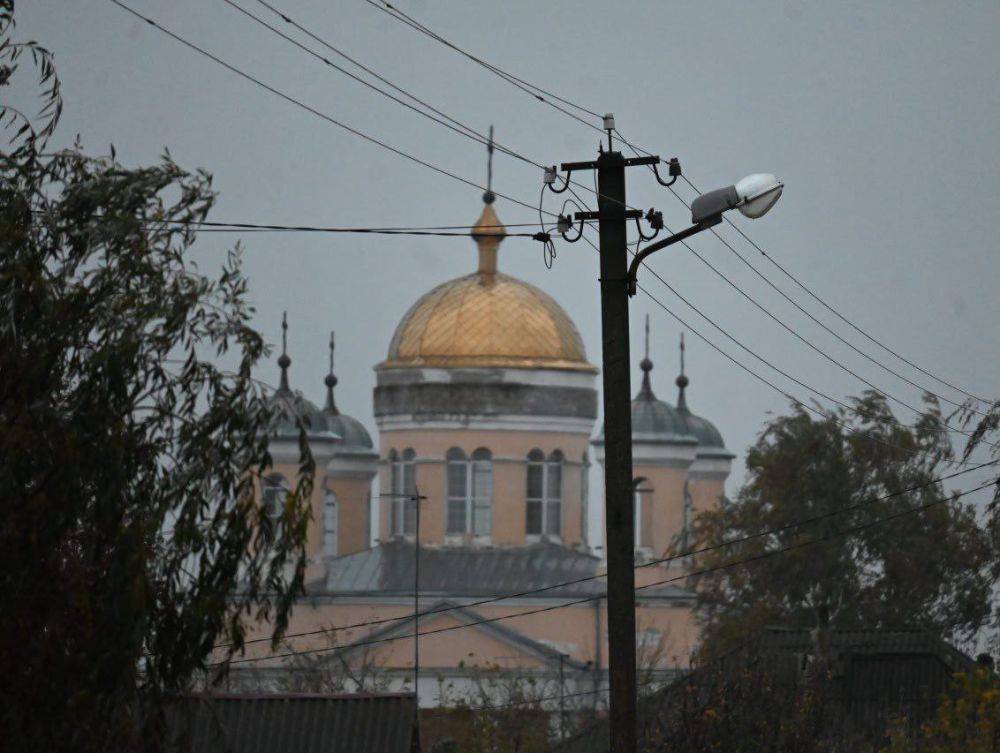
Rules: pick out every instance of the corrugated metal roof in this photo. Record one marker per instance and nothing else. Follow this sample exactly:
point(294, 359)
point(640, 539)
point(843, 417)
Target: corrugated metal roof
point(471, 571)
point(294, 723)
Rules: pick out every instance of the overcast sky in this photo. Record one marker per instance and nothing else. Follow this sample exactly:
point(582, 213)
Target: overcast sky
point(880, 117)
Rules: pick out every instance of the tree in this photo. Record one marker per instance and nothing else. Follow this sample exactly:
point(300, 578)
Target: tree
point(984, 420)
point(967, 721)
point(128, 458)
point(849, 467)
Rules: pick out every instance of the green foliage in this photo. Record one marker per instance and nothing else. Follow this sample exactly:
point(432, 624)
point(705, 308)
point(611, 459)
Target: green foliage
point(984, 420)
point(737, 710)
point(926, 569)
point(128, 458)
point(967, 721)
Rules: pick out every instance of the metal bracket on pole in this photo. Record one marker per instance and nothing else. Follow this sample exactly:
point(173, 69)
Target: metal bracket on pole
point(640, 257)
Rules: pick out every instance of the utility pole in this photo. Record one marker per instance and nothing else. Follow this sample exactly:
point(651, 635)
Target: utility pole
point(612, 215)
point(753, 196)
point(562, 698)
point(414, 497)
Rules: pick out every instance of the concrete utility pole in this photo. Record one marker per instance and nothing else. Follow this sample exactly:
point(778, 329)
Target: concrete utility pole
point(612, 216)
point(753, 196)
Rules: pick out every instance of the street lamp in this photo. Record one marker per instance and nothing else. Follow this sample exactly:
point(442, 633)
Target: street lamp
point(753, 196)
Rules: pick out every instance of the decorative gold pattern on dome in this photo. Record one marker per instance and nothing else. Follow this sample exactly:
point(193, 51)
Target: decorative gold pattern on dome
point(487, 319)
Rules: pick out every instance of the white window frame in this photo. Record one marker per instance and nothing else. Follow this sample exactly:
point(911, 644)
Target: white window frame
point(551, 505)
point(403, 481)
point(481, 460)
point(639, 492)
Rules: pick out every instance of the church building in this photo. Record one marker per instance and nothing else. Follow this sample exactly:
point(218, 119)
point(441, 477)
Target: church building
point(478, 490)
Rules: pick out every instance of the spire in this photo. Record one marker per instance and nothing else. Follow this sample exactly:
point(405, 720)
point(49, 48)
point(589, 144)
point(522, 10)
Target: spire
point(489, 197)
point(284, 361)
point(647, 366)
point(488, 230)
point(331, 382)
point(682, 381)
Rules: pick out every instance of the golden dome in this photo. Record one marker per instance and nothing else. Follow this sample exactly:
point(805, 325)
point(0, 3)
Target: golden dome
point(487, 319)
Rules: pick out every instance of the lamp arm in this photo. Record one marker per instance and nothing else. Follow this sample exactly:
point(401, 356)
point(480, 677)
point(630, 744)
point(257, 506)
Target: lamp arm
point(640, 257)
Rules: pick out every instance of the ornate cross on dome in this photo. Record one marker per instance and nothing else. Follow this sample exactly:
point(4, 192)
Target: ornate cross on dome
point(488, 230)
point(284, 361)
point(682, 381)
point(331, 382)
point(646, 365)
point(489, 197)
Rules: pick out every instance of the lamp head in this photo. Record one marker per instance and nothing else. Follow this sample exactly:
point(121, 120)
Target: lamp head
point(758, 193)
point(753, 196)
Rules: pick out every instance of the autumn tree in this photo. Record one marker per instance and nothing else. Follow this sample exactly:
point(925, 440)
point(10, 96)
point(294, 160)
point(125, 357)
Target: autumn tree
point(128, 456)
point(843, 471)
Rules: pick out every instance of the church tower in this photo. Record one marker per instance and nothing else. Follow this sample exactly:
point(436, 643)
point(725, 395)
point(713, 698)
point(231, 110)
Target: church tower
point(485, 404)
point(345, 467)
point(679, 464)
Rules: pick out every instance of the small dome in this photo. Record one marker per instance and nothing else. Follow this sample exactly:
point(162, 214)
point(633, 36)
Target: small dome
point(703, 429)
point(655, 420)
point(355, 436)
point(290, 406)
point(487, 319)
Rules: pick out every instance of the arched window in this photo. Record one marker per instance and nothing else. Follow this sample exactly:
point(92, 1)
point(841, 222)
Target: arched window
point(544, 499)
point(274, 491)
point(330, 522)
point(404, 482)
point(470, 492)
point(585, 499)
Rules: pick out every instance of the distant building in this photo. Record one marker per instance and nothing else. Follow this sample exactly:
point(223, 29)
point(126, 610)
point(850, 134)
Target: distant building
point(486, 405)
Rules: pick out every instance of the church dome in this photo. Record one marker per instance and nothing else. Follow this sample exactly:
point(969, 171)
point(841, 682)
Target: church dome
point(289, 407)
point(487, 319)
point(654, 420)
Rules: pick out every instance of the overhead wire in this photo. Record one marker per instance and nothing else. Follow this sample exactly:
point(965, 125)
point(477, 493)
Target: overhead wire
point(308, 108)
point(533, 90)
point(809, 314)
point(871, 338)
point(684, 576)
point(452, 123)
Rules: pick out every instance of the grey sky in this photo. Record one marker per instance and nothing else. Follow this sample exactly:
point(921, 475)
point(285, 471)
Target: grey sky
point(881, 117)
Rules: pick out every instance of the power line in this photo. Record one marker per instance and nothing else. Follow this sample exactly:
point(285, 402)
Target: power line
point(447, 121)
point(312, 110)
point(811, 345)
point(521, 83)
point(533, 91)
point(452, 123)
point(705, 571)
point(840, 316)
point(651, 563)
point(452, 231)
point(763, 360)
point(784, 295)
